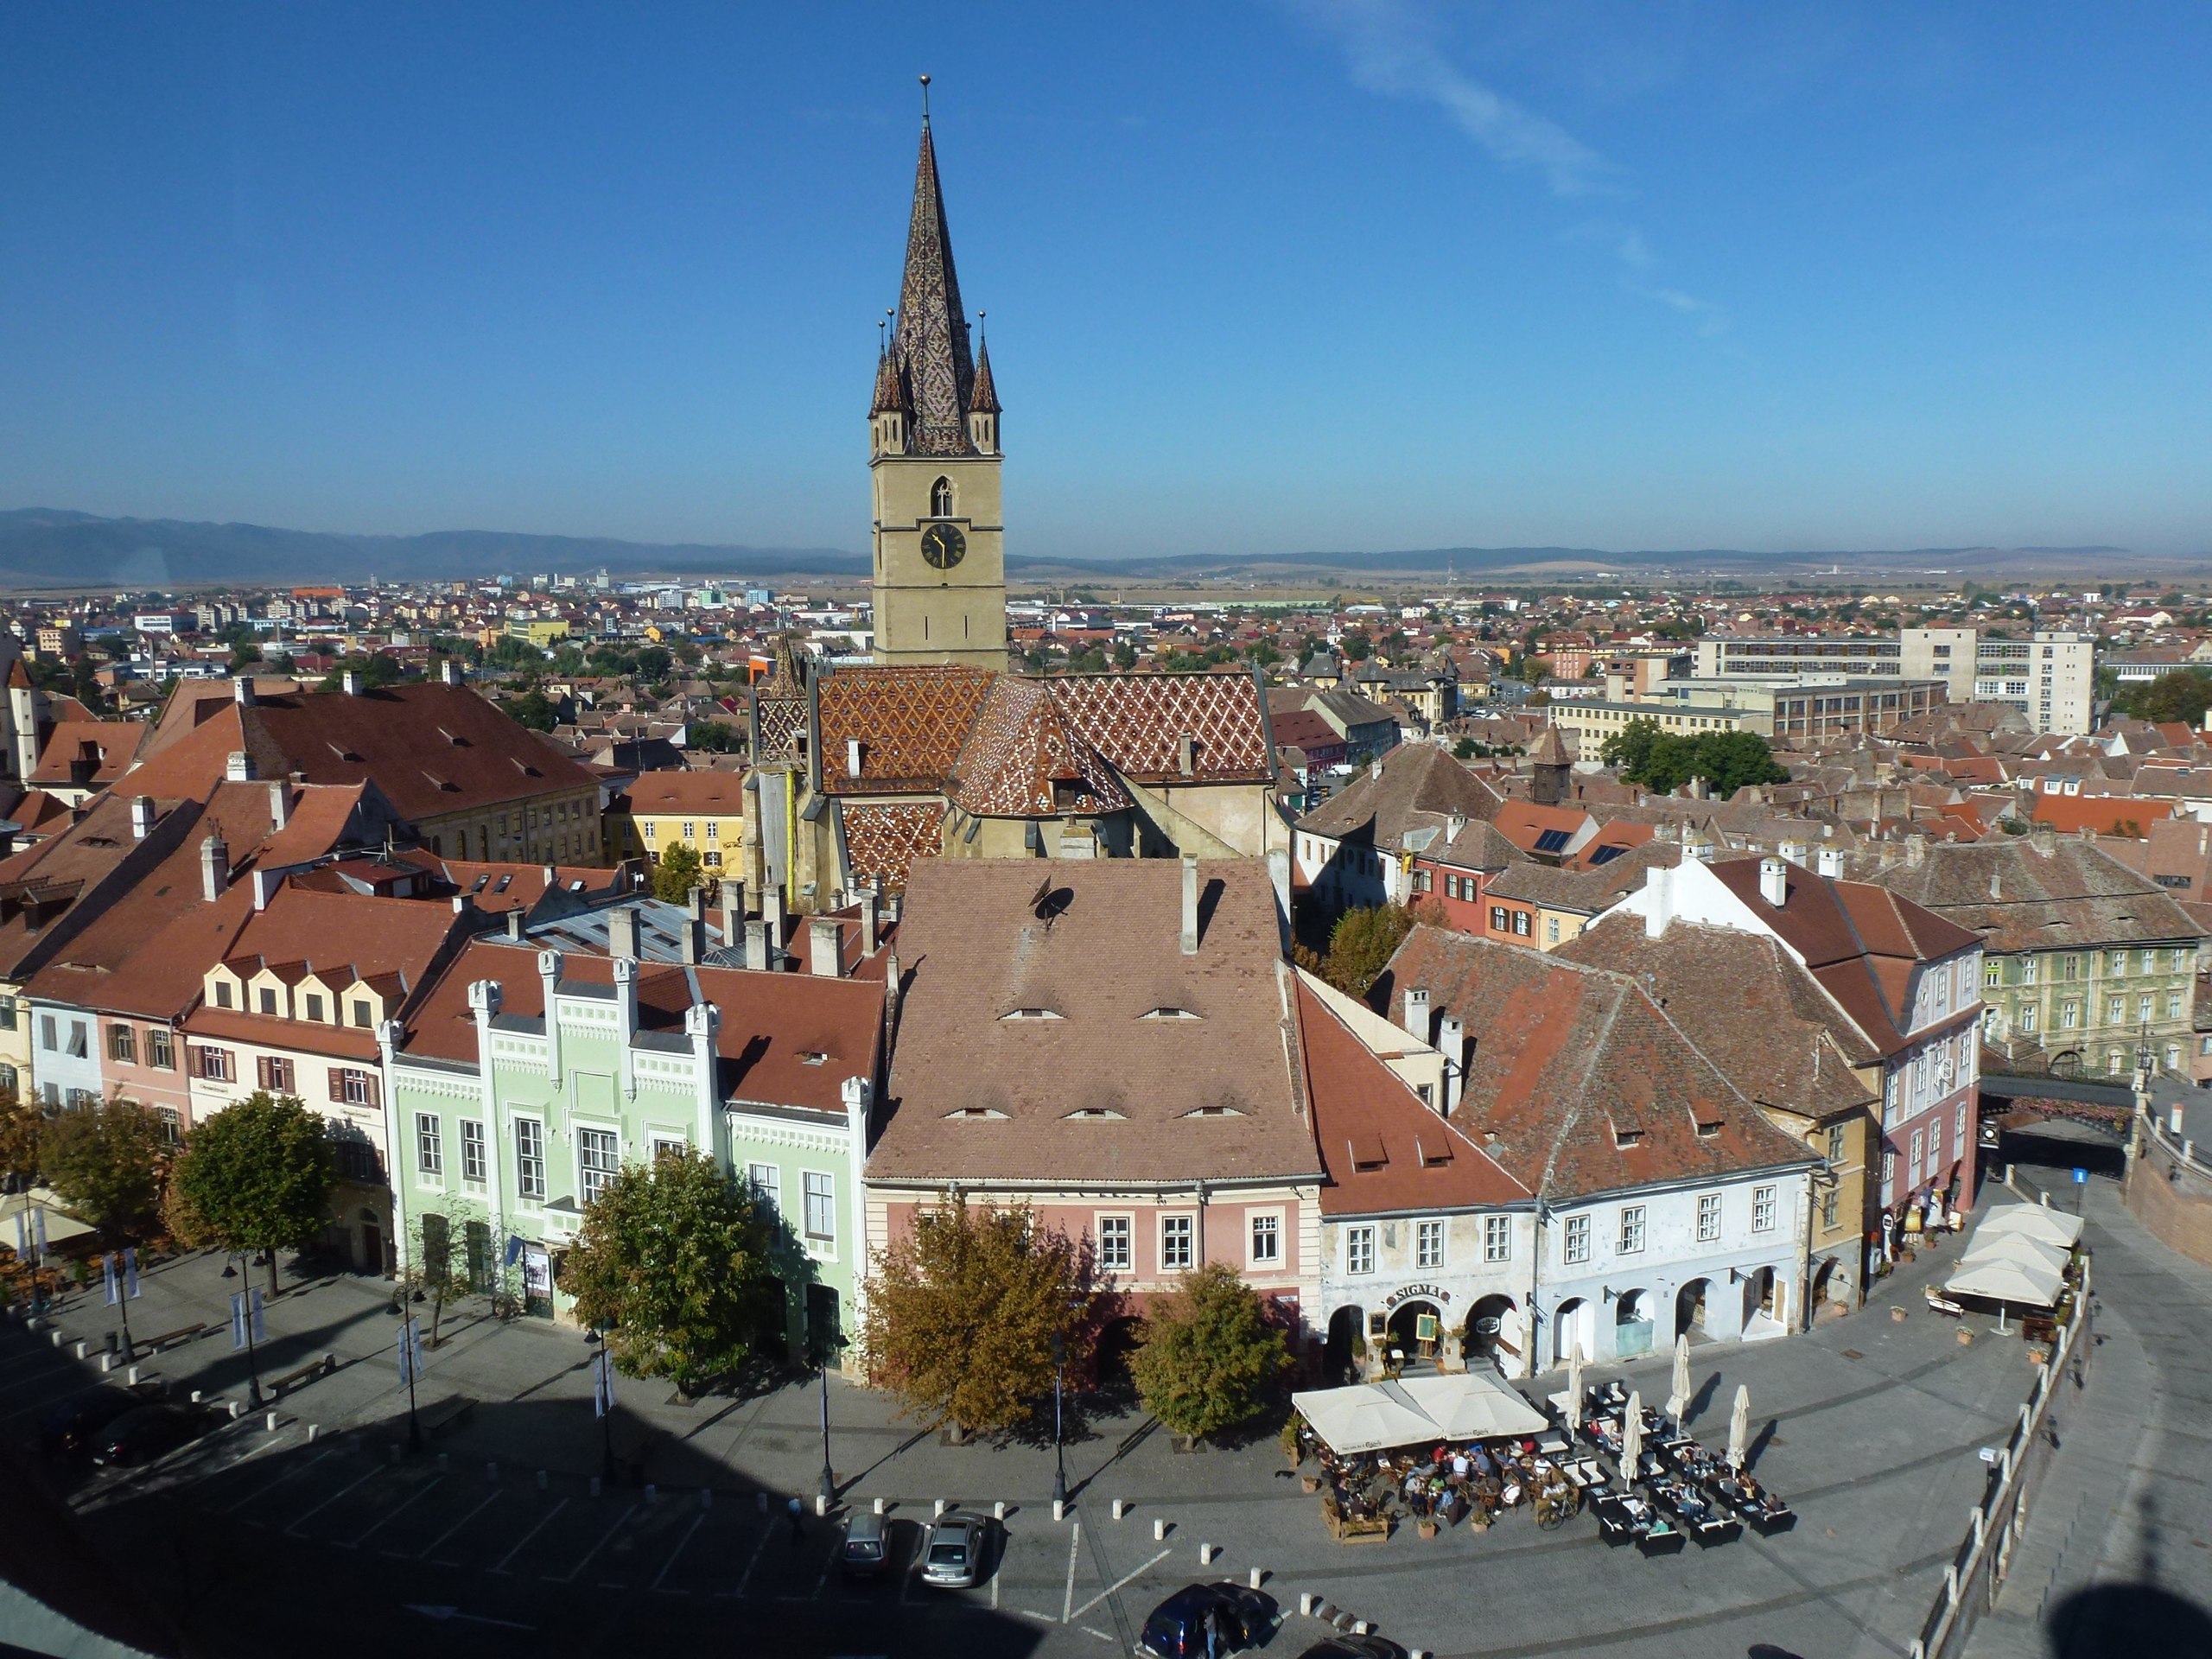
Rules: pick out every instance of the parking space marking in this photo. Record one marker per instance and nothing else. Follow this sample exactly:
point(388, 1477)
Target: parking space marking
point(1111, 1588)
point(914, 1572)
point(1067, 1602)
point(292, 1531)
point(569, 1576)
point(746, 1577)
point(698, 1521)
point(823, 1577)
point(456, 1527)
point(527, 1537)
point(355, 1543)
point(267, 1486)
point(1101, 1635)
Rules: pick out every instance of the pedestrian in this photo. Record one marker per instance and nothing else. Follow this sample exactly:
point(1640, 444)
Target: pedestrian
point(794, 1508)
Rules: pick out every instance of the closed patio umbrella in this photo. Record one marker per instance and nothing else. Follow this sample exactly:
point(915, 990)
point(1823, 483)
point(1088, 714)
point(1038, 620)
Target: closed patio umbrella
point(1739, 1427)
point(1679, 1400)
point(1631, 1436)
point(1574, 1385)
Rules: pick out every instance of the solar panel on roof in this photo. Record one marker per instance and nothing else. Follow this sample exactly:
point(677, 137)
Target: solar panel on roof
point(503, 880)
point(1606, 855)
point(1552, 840)
point(480, 881)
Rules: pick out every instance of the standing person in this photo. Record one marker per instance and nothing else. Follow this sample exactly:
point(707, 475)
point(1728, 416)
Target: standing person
point(794, 1508)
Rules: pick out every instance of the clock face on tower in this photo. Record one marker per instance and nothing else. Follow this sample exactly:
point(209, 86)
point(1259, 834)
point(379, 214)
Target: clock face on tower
point(944, 546)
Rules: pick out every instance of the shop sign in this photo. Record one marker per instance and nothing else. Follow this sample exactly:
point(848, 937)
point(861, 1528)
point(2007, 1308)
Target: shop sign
point(1407, 1293)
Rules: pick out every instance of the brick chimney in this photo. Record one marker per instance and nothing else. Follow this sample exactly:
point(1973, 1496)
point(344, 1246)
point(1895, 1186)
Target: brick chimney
point(1189, 905)
point(214, 867)
point(826, 947)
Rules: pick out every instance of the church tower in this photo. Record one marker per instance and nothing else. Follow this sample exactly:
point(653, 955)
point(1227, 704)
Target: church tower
point(933, 455)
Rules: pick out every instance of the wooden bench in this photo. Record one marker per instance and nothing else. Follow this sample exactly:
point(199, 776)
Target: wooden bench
point(445, 1414)
point(322, 1366)
point(182, 1333)
point(1373, 1530)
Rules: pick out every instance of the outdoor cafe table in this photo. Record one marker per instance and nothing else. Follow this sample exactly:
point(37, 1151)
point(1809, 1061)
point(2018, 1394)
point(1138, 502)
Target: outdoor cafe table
point(1766, 1513)
point(1696, 1514)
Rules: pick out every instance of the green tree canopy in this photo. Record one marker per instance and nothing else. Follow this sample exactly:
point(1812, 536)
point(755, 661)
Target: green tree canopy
point(1361, 945)
point(22, 1126)
point(1210, 1357)
point(258, 1175)
point(678, 872)
point(962, 1316)
point(676, 1258)
point(2182, 695)
point(714, 736)
point(533, 708)
point(375, 668)
point(1663, 762)
point(105, 1161)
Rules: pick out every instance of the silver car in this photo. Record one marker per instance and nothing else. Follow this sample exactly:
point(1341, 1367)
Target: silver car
point(953, 1550)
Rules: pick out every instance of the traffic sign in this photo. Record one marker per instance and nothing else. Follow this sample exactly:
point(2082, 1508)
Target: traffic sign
point(2081, 1177)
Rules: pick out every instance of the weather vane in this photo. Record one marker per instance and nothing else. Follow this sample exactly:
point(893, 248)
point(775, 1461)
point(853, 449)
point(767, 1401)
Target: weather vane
point(926, 100)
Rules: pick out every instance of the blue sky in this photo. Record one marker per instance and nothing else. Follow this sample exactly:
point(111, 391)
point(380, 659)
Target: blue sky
point(1274, 275)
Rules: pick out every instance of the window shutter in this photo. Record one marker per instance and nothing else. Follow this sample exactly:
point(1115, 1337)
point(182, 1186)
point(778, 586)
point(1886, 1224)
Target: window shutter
point(337, 1076)
point(261, 1073)
point(375, 1087)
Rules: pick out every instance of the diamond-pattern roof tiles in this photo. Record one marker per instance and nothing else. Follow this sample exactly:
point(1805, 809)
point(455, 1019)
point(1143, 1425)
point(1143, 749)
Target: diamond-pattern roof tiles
point(1020, 759)
point(1137, 722)
point(910, 723)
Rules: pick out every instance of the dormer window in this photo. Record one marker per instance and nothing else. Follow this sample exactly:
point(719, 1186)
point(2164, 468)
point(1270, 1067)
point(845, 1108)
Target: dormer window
point(812, 1056)
point(1034, 1014)
point(315, 1007)
point(941, 498)
point(1097, 1111)
point(1708, 1128)
point(222, 993)
point(1624, 1138)
point(1164, 1013)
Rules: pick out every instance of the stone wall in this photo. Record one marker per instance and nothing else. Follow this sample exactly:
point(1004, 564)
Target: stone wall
point(2173, 1199)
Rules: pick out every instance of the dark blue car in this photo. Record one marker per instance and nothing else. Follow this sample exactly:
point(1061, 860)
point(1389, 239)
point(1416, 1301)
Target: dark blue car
point(1237, 1618)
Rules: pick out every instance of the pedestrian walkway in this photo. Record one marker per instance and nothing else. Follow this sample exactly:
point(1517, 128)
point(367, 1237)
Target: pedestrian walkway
point(2124, 1503)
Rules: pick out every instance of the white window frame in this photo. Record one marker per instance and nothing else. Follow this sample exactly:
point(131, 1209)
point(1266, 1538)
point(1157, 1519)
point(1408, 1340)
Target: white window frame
point(1182, 1227)
point(1575, 1235)
point(472, 1151)
point(588, 1187)
point(429, 1148)
point(1428, 1245)
point(1497, 1238)
point(1263, 1238)
point(818, 1199)
point(1708, 1218)
point(1630, 1237)
point(526, 1161)
point(1359, 1251)
point(1117, 1241)
point(767, 1182)
point(1764, 1209)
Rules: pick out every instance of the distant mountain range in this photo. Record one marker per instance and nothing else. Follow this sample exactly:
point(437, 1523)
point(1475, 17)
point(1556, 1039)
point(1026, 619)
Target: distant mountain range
point(47, 548)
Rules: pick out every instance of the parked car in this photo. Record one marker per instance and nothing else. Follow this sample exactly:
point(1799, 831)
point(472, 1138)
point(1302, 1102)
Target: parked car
point(953, 1550)
point(1354, 1647)
point(1177, 1628)
point(71, 1427)
point(866, 1547)
point(142, 1435)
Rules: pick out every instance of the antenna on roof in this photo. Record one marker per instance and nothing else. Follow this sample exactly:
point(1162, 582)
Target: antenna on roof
point(926, 100)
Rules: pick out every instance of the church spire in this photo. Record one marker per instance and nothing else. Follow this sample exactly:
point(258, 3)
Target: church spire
point(930, 347)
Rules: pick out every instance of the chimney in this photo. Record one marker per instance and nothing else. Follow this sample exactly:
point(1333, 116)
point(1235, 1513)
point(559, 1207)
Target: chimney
point(1659, 908)
point(756, 946)
point(693, 934)
point(141, 818)
point(1189, 905)
point(352, 681)
point(733, 897)
point(1915, 851)
point(238, 769)
point(449, 672)
point(622, 933)
point(1416, 1020)
point(280, 806)
point(1774, 881)
point(868, 921)
point(826, 947)
point(2044, 839)
point(852, 757)
point(695, 901)
point(241, 691)
point(214, 867)
point(1832, 862)
point(1187, 755)
point(514, 925)
point(265, 883)
point(1452, 1038)
point(772, 912)
point(1794, 851)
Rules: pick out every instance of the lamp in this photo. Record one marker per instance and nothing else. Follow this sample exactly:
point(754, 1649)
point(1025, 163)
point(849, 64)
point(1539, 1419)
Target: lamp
point(1606, 1293)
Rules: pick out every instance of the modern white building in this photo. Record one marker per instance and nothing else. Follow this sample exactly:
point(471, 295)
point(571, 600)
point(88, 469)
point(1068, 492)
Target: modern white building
point(2048, 678)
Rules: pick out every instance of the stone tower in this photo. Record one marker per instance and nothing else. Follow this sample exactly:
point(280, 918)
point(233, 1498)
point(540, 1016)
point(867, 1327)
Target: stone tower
point(933, 455)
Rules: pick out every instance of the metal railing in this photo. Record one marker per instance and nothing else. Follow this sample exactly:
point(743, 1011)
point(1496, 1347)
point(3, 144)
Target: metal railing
point(1996, 1524)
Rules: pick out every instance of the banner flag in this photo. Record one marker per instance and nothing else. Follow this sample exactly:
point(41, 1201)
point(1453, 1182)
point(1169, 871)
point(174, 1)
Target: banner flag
point(411, 1351)
point(130, 1273)
point(237, 1318)
point(260, 1330)
point(22, 1235)
point(602, 1382)
point(38, 1233)
point(110, 1289)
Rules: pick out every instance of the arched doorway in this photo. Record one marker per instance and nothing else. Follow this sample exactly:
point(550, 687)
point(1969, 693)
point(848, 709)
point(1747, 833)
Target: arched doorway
point(1416, 1329)
point(1492, 1332)
point(1689, 1307)
point(1338, 1354)
point(1764, 1297)
point(1823, 1282)
point(1632, 1323)
point(1574, 1331)
point(371, 1256)
point(1117, 1340)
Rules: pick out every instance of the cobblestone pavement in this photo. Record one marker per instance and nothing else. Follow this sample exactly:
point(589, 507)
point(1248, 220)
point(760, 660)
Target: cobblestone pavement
point(494, 1537)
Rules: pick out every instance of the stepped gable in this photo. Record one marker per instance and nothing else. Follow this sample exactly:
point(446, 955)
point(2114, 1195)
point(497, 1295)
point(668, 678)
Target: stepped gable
point(1021, 759)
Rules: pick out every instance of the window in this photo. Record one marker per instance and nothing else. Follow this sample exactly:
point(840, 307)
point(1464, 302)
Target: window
point(1708, 1218)
point(2069, 1015)
point(767, 1184)
point(7, 1013)
point(2180, 959)
point(351, 1086)
point(268, 999)
point(222, 993)
point(1763, 1209)
point(1522, 919)
point(1992, 973)
point(46, 1039)
point(820, 1205)
point(668, 1146)
point(1267, 1241)
point(1497, 1238)
point(429, 1151)
point(1959, 1128)
point(2115, 1009)
point(529, 1157)
point(2027, 1018)
point(1551, 930)
point(1919, 1146)
point(2150, 960)
point(2143, 1008)
point(1428, 1244)
point(172, 1128)
point(121, 1045)
point(941, 498)
point(274, 1074)
point(1835, 1143)
point(598, 1157)
point(1360, 1250)
point(691, 830)
point(472, 1150)
point(2173, 1005)
point(1829, 1207)
point(159, 1052)
point(315, 1007)
point(1115, 1252)
point(80, 1045)
point(1501, 920)
point(2116, 963)
point(363, 1014)
point(1578, 1238)
point(215, 1064)
point(1632, 1229)
point(1175, 1236)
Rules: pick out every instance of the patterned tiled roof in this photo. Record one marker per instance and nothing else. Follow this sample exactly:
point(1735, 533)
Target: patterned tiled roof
point(782, 720)
point(931, 343)
point(910, 723)
point(1019, 750)
point(1136, 722)
point(884, 838)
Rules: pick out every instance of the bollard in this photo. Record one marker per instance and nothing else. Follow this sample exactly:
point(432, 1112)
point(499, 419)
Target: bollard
point(56, 1335)
point(1306, 1603)
point(237, 1410)
point(938, 1510)
point(760, 1500)
point(1205, 1554)
point(272, 1423)
point(1258, 1576)
point(131, 1376)
point(491, 1474)
point(541, 1480)
point(314, 1429)
point(594, 1485)
point(998, 1510)
point(1121, 1508)
point(879, 1506)
point(706, 1497)
point(1059, 1509)
point(195, 1396)
point(80, 1351)
point(1361, 1627)
point(444, 1461)
point(1159, 1530)
point(821, 1504)
point(107, 1361)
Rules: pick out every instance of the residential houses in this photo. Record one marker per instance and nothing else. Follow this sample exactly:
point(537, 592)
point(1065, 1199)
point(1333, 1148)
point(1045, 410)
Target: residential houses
point(1353, 850)
point(704, 810)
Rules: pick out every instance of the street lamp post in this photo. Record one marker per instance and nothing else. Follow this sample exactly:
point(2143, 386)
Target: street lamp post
point(1059, 1445)
point(829, 1475)
point(252, 1364)
point(603, 1386)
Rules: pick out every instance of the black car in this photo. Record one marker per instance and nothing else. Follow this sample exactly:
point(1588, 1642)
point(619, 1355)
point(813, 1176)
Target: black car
point(1177, 1628)
point(71, 1427)
point(1354, 1647)
point(142, 1435)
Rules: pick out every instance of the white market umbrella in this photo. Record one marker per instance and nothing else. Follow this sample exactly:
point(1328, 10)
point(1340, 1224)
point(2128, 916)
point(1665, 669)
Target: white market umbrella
point(1739, 1427)
point(1574, 1386)
point(2024, 1249)
point(2052, 1226)
point(1680, 1398)
point(1631, 1437)
point(1471, 1406)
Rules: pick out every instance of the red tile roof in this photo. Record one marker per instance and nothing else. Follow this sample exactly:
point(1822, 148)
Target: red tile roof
point(707, 794)
point(2108, 815)
point(1021, 759)
point(910, 723)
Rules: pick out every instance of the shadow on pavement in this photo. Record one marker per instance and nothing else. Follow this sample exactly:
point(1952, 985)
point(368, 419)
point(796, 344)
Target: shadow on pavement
point(2127, 1621)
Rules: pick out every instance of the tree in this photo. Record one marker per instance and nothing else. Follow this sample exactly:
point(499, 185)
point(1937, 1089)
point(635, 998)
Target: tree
point(436, 1271)
point(2182, 695)
point(1729, 761)
point(105, 1161)
point(678, 872)
point(1125, 655)
point(1362, 944)
point(673, 1259)
point(534, 710)
point(21, 1124)
point(713, 737)
point(1210, 1356)
point(1465, 749)
point(258, 1175)
point(961, 1321)
point(373, 668)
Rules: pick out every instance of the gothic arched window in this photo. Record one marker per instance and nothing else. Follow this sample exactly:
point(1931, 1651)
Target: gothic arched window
point(941, 498)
